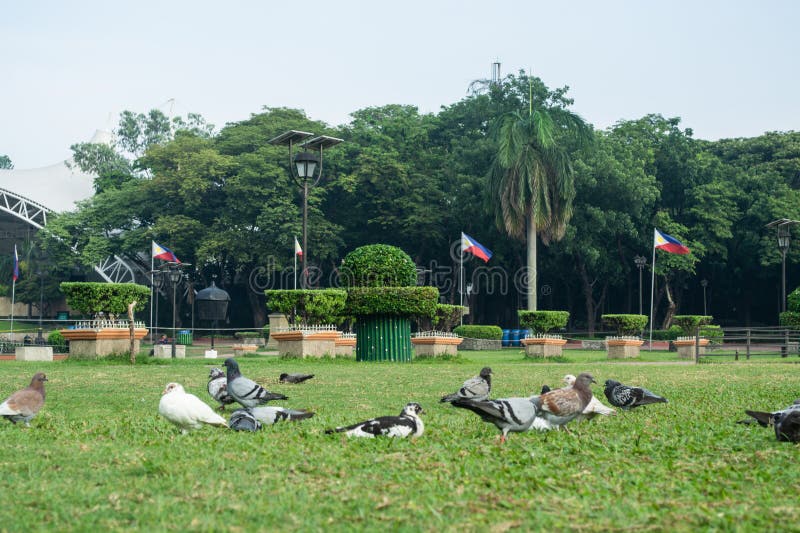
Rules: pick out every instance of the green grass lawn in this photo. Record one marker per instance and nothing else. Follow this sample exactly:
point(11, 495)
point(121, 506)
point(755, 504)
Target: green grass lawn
point(98, 456)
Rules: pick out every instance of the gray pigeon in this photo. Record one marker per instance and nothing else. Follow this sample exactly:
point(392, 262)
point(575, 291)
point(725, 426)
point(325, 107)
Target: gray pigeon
point(477, 388)
point(269, 414)
point(218, 387)
point(785, 421)
point(243, 420)
point(294, 378)
point(246, 391)
point(508, 414)
point(26, 403)
point(626, 397)
point(765, 419)
point(408, 423)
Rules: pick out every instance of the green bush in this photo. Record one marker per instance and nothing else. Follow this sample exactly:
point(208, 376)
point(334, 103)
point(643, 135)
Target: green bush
point(689, 323)
point(667, 334)
point(625, 324)
point(713, 333)
point(247, 335)
point(90, 297)
point(447, 316)
point(543, 321)
point(479, 332)
point(793, 301)
point(378, 265)
point(320, 306)
point(398, 301)
point(265, 331)
point(57, 340)
point(790, 319)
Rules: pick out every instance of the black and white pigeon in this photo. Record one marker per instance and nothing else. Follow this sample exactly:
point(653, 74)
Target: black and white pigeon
point(477, 388)
point(626, 397)
point(246, 391)
point(243, 420)
point(268, 414)
point(24, 404)
point(786, 421)
point(294, 378)
point(218, 387)
point(507, 414)
point(765, 419)
point(408, 423)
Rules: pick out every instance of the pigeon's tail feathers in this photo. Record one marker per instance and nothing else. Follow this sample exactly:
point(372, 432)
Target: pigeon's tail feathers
point(330, 431)
point(269, 396)
point(299, 414)
point(763, 419)
point(651, 397)
point(545, 389)
point(449, 398)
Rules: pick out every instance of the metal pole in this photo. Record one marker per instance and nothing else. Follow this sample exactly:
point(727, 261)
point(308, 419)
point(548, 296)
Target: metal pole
point(783, 281)
point(174, 284)
point(304, 277)
point(705, 308)
point(640, 290)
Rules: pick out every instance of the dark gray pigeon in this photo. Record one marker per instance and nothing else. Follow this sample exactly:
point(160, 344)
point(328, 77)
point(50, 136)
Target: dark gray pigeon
point(765, 419)
point(294, 378)
point(26, 403)
point(477, 388)
point(246, 391)
point(243, 420)
point(787, 425)
point(218, 387)
point(269, 414)
point(507, 414)
point(626, 397)
point(408, 423)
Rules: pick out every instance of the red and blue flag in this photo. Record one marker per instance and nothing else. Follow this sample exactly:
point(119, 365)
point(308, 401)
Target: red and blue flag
point(15, 276)
point(670, 244)
point(470, 245)
point(164, 253)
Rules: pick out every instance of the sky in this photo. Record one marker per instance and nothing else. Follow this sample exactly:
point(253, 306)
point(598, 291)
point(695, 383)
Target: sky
point(727, 68)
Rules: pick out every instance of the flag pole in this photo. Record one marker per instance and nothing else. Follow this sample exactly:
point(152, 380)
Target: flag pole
point(295, 265)
point(652, 290)
point(152, 282)
point(461, 275)
point(13, 294)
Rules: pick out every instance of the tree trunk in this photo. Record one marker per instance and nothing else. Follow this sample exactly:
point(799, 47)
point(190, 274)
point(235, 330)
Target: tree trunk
point(131, 329)
point(258, 308)
point(531, 263)
point(671, 308)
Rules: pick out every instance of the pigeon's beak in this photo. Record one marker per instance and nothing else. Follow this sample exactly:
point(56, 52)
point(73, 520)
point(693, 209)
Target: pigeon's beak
point(594, 380)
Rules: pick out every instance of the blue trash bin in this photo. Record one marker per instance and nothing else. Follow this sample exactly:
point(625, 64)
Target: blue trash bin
point(506, 338)
point(515, 337)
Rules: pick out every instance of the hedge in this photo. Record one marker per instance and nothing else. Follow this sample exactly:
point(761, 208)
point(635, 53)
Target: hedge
point(689, 323)
point(543, 321)
point(793, 301)
point(57, 340)
point(248, 335)
point(447, 316)
point(397, 301)
point(479, 332)
point(316, 306)
point(93, 297)
point(378, 265)
point(790, 319)
point(625, 324)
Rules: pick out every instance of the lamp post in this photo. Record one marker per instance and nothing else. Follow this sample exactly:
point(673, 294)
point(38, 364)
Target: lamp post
point(784, 239)
point(172, 273)
point(704, 284)
point(40, 273)
point(641, 262)
point(212, 305)
point(306, 171)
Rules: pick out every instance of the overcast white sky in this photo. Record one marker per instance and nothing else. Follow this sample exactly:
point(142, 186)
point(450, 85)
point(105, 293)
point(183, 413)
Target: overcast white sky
point(67, 68)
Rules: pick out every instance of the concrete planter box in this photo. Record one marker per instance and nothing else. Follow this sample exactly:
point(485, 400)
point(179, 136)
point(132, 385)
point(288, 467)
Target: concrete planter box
point(33, 353)
point(481, 344)
point(435, 346)
point(620, 348)
point(306, 344)
point(277, 322)
point(95, 343)
point(345, 346)
point(164, 351)
point(685, 347)
point(543, 346)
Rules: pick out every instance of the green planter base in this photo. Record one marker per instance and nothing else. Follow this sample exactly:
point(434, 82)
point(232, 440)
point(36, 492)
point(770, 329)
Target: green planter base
point(383, 338)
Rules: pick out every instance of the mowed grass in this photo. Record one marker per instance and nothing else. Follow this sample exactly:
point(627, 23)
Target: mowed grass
point(98, 456)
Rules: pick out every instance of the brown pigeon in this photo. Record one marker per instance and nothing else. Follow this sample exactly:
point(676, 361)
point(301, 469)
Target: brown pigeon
point(561, 406)
point(24, 404)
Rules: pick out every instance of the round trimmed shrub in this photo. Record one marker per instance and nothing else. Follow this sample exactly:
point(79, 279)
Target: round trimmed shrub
point(378, 265)
point(494, 333)
point(92, 297)
point(310, 306)
point(543, 321)
point(625, 324)
point(689, 323)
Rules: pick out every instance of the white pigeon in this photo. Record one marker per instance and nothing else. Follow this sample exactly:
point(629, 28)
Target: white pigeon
point(269, 414)
point(595, 407)
point(185, 410)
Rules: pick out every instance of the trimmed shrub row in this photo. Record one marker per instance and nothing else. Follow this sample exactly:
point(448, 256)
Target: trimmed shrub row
point(479, 332)
point(625, 324)
point(543, 321)
point(319, 306)
point(94, 297)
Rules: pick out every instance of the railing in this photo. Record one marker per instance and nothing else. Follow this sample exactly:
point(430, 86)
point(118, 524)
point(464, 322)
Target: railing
point(624, 338)
point(107, 324)
point(544, 336)
point(434, 333)
point(759, 341)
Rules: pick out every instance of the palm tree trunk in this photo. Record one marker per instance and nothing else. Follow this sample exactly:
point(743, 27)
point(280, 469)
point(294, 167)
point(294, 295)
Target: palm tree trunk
point(531, 263)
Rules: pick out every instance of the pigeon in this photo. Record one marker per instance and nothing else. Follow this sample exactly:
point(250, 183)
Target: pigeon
point(243, 420)
point(294, 378)
point(765, 419)
point(246, 391)
point(507, 414)
point(477, 388)
point(787, 425)
point(626, 397)
point(24, 404)
point(218, 387)
point(185, 410)
point(595, 406)
point(269, 415)
point(561, 406)
point(408, 423)
point(545, 389)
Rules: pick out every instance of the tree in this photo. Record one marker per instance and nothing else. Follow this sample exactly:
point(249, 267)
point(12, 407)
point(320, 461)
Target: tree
point(5, 162)
point(531, 181)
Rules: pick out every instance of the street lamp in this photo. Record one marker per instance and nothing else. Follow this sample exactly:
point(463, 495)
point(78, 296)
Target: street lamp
point(306, 171)
point(784, 239)
point(641, 262)
point(212, 305)
point(704, 284)
point(172, 272)
point(40, 273)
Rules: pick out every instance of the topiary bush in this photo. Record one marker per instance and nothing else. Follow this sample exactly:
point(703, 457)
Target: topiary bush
point(625, 324)
point(689, 323)
point(543, 321)
point(667, 334)
point(378, 265)
point(317, 306)
point(793, 301)
point(445, 318)
point(91, 298)
point(494, 333)
point(790, 319)
point(57, 341)
point(395, 301)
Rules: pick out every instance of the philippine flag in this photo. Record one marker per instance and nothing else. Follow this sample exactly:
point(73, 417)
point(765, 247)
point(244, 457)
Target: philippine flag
point(670, 244)
point(470, 245)
point(164, 253)
point(297, 250)
point(15, 276)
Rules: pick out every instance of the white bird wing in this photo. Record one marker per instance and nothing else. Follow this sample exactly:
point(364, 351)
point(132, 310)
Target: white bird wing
point(7, 410)
point(188, 411)
point(595, 406)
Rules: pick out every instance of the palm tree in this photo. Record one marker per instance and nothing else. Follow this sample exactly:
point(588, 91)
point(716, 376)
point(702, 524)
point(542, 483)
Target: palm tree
point(531, 182)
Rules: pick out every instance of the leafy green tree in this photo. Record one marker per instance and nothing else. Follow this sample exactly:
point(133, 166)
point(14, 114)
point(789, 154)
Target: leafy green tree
point(5, 162)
